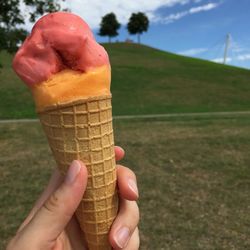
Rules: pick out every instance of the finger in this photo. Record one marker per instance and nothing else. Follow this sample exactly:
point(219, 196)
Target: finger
point(127, 183)
point(55, 180)
point(124, 224)
point(54, 215)
point(119, 153)
point(75, 234)
point(134, 241)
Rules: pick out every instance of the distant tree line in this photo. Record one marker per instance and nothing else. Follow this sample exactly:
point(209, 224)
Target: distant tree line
point(137, 24)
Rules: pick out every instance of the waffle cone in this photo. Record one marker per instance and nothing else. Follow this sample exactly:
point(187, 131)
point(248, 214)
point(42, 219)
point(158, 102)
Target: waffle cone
point(83, 130)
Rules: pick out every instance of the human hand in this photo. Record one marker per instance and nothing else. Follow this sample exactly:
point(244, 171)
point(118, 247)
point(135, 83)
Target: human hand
point(51, 223)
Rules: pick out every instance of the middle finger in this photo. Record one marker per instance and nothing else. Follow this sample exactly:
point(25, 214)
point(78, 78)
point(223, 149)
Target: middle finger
point(125, 224)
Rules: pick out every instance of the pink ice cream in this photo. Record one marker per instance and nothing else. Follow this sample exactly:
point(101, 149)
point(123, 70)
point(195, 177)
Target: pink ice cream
point(58, 41)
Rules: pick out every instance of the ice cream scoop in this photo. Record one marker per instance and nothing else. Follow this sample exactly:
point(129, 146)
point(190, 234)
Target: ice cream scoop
point(60, 47)
point(68, 73)
point(58, 41)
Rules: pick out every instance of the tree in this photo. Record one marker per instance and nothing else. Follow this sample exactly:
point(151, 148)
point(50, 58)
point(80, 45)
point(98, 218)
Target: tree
point(13, 39)
point(40, 7)
point(10, 12)
point(109, 26)
point(11, 18)
point(138, 23)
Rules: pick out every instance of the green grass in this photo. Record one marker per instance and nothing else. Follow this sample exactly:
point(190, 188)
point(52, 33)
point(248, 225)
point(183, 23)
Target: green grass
point(146, 81)
point(193, 177)
point(15, 99)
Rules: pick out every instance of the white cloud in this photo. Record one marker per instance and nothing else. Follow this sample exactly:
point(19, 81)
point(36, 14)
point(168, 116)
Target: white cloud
point(238, 47)
point(205, 7)
point(193, 52)
point(244, 57)
point(239, 51)
point(92, 11)
point(173, 17)
point(221, 60)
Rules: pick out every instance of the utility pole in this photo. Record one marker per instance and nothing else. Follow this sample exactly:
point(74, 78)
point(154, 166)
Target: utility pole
point(226, 48)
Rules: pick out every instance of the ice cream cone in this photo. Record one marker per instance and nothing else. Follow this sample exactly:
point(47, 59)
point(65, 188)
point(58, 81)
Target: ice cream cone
point(69, 75)
point(82, 129)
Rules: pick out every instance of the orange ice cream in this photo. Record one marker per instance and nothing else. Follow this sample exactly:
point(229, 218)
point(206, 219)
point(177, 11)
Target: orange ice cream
point(61, 61)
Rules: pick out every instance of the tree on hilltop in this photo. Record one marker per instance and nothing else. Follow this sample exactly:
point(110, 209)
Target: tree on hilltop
point(109, 26)
point(138, 23)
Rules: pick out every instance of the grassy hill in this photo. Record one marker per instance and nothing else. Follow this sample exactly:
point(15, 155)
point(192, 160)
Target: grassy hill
point(146, 81)
point(200, 165)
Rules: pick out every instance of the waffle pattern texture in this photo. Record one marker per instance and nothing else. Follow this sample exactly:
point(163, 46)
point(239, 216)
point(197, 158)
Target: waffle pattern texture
point(83, 130)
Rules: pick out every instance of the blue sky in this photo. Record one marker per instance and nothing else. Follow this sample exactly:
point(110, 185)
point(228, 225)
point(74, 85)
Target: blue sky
point(196, 28)
point(199, 29)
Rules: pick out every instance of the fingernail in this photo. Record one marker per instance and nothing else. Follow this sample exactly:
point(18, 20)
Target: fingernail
point(122, 237)
point(133, 186)
point(73, 171)
point(122, 150)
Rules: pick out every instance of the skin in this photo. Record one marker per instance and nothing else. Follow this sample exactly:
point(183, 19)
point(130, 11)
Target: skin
point(51, 224)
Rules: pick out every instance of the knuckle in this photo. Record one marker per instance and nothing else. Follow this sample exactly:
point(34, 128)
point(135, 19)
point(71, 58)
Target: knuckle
point(126, 171)
point(119, 166)
point(52, 204)
point(134, 242)
point(136, 239)
point(131, 173)
point(135, 213)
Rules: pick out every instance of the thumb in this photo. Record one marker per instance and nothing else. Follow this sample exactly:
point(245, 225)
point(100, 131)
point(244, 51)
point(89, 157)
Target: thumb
point(52, 218)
